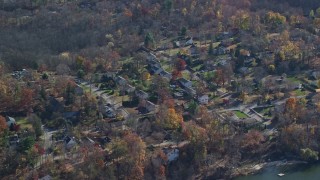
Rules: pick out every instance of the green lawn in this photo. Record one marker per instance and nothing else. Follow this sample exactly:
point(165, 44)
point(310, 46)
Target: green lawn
point(23, 122)
point(167, 67)
point(294, 79)
point(186, 75)
point(298, 92)
point(197, 68)
point(240, 114)
point(263, 111)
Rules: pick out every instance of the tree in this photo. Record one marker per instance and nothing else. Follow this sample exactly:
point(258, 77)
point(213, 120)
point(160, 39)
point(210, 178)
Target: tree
point(3, 125)
point(69, 94)
point(168, 118)
point(311, 14)
point(309, 154)
point(183, 31)
point(80, 73)
point(198, 138)
point(26, 144)
point(252, 140)
point(63, 69)
point(148, 40)
point(180, 64)
point(210, 50)
point(168, 5)
point(45, 76)
point(43, 93)
point(318, 12)
point(36, 124)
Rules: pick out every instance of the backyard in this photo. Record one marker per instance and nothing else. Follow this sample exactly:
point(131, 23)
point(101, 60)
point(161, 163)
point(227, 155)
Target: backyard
point(265, 112)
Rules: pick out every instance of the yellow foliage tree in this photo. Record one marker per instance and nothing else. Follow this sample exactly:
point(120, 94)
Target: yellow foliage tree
point(169, 118)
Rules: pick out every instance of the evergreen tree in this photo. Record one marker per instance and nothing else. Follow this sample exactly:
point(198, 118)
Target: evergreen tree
point(148, 40)
point(183, 31)
point(43, 94)
point(69, 94)
point(311, 14)
point(210, 50)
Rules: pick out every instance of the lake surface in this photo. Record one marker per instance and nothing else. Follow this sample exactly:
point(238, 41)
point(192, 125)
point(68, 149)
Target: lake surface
point(299, 172)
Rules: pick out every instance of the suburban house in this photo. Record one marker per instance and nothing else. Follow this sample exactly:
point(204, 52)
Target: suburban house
point(79, 91)
point(189, 42)
point(22, 74)
point(221, 50)
point(315, 75)
point(10, 121)
point(69, 142)
point(172, 154)
point(176, 44)
point(244, 71)
point(129, 88)
point(151, 57)
point(204, 99)
point(155, 70)
point(13, 140)
point(154, 63)
point(194, 50)
point(165, 74)
point(185, 83)
point(191, 91)
point(141, 94)
point(150, 106)
point(120, 81)
point(47, 177)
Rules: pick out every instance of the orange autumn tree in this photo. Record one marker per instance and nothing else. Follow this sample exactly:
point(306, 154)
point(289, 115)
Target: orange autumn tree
point(129, 155)
point(3, 125)
point(15, 97)
point(169, 118)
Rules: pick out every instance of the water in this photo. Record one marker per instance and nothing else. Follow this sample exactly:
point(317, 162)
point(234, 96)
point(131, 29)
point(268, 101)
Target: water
point(300, 172)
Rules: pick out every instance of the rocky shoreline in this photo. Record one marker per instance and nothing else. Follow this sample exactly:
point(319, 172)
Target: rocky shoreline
point(250, 169)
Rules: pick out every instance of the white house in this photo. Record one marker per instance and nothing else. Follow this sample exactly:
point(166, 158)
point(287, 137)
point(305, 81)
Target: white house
point(204, 99)
point(189, 42)
point(69, 142)
point(47, 177)
point(10, 121)
point(172, 154)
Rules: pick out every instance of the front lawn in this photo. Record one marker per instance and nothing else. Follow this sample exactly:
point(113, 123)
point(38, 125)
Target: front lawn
point(299, 92)
point(294, 79)
point(240, 114)
point(24, 123)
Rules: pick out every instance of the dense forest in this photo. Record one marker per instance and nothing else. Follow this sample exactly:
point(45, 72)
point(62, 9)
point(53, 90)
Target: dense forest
point(36, 30)
point(157, 89)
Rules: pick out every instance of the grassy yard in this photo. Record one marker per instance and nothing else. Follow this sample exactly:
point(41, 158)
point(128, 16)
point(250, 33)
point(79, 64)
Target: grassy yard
point(294, 79)
point(298, 92)
point(167, 67)
point(198, 67)
point(186, 75)
point(240, 114)
point(23, 122)
point(86, 88)
point(264, 111)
